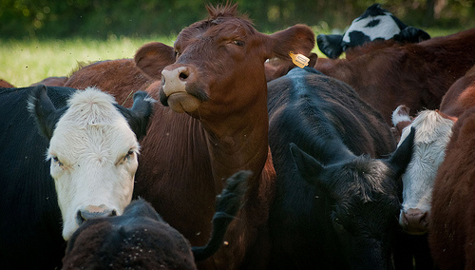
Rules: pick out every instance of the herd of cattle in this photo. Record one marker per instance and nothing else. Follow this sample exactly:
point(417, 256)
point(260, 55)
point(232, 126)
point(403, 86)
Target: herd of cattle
point(223, 155)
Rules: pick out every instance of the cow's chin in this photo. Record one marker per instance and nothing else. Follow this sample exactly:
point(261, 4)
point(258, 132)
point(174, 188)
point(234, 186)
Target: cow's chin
point(183, 102)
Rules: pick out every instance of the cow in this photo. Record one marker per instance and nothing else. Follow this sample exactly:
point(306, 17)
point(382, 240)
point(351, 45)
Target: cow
point(460, 96)
point(59, 170)
point(215, 75)
point(5, 84)
point(451, 226)
point(416, 75)
point(140, 238)
point(400, 118)
point(432, 133)
point(336, 201)
point(52, 81)
point(375, 24)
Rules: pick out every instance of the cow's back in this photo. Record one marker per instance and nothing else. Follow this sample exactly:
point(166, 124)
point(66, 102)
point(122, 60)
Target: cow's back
point(30, 219)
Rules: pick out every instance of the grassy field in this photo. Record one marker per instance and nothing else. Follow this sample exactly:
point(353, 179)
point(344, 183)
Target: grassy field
point(24, 63)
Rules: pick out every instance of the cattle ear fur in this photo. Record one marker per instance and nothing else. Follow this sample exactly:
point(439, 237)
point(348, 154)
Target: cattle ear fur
point(43, 110)
point(151, 58)
point(330, 45)
point(412, 35)
point(298, 39)
point(403, 154)
point(308, 166)
point(138, 116)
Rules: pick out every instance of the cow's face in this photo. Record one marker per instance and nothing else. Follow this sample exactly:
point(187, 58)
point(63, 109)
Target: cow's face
point(364, 202)
point(433, 133)
point(374, 24)
point(219, 66)
point(93, 153)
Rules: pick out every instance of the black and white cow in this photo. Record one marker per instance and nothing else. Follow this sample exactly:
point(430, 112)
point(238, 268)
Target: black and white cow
point(336, 205)
point(375, 24)
point(82, 167)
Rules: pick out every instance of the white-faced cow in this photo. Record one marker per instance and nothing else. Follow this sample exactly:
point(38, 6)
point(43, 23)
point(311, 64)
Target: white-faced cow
point(85, 163)
point(336, 202)
point(141, 239)
point(373, 25)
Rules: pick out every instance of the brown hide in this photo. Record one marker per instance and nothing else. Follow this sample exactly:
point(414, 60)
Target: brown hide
point(417, 75)
point(460, 96)
point(452, 223)
point(185, 157)
point(5, 84)
point(52, 81)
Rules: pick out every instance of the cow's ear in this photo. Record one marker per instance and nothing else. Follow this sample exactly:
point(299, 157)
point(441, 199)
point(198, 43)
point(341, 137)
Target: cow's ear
point(151, 58)
point(297, 39)
point(43, 110)
point(138, 116)
point(412, 35)
point(403, 154)
point(308, 166)
point(330, 45)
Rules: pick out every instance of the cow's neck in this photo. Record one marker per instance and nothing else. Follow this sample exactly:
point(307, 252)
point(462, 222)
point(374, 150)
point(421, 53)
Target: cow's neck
point(239, 142)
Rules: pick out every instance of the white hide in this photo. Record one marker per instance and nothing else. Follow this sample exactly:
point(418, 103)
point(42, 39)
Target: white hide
point(432, 135)
point(93, 155)
point(386, 28)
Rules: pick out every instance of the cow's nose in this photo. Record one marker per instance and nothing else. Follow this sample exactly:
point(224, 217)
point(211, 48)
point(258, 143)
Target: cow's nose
point(92, 211)
point(174, 79)
point(415, 221)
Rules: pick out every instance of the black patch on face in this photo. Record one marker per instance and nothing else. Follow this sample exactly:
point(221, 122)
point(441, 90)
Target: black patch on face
point(373, 23)
point(356, 38)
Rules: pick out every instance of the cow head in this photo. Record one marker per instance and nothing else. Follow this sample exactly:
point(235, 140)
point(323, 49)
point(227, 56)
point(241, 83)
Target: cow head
point(363, 199)
point(375, 24)
point(218, 63)
point(93, 148)
point(433, 133)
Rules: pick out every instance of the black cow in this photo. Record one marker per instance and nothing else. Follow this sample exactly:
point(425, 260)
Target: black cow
point(375, 24)
point(141, 239)
point(30, 219)
point(336, 206)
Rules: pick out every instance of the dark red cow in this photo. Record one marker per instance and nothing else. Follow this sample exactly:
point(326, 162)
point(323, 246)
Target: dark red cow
point(52, 81)
point(451, 230)
point(5, 84)
point(460, 96)
point(216, 75)
point(417, 75)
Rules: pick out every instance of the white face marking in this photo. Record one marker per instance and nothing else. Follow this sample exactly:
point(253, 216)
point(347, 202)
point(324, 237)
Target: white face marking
point(386, 28)
point(93, 155)
point(432, 135)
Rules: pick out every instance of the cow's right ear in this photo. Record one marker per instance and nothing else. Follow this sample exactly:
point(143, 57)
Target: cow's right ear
point(153, 57)
point(412, 35)
point(308, 166)
point(330, 45)
point(43, 110)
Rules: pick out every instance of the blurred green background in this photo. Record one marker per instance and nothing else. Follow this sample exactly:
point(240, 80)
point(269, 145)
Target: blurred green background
point(100, 19)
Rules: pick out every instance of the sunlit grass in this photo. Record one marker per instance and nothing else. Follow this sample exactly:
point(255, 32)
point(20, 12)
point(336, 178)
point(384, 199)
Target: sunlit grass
point(23, 63)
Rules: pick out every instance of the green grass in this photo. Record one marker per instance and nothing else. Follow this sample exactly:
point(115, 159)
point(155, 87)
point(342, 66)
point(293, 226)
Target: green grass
point(23, 63)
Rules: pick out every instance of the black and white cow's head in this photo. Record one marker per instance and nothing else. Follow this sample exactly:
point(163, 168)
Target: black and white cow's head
point(375, 24)
point(93, 148)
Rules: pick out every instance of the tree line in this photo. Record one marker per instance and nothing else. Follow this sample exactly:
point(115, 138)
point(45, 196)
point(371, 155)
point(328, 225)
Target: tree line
point(24, 19)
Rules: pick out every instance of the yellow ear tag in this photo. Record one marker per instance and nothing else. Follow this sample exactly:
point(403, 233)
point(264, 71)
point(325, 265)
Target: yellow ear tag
point(299, 60)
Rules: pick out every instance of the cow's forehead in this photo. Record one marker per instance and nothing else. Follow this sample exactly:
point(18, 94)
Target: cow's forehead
point(381, 26)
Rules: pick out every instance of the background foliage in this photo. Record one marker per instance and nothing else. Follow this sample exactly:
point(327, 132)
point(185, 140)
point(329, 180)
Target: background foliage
point(30, 19)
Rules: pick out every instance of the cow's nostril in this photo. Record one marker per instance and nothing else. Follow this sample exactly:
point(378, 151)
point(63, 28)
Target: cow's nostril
point(113, 213)
point(79, 218)
point(183, 75)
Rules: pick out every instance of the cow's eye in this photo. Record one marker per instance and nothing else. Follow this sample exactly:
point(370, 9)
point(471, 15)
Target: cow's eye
point(238, 42)
point(130, 153)
point(177, 54)
point(56, 160)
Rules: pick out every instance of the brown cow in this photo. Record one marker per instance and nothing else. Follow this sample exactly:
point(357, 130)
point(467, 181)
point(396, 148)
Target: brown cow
point(5, 84)
point(417, 75)
point(460, 96)
point(452, 223)
point(52, 81)
point(217, 77)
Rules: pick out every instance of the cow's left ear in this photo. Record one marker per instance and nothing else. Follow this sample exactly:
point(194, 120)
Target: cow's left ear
point(330, 45)
point(297, 39)
point(412, 35)
point(138, 116)
point(43, 110)
point(403, 154)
